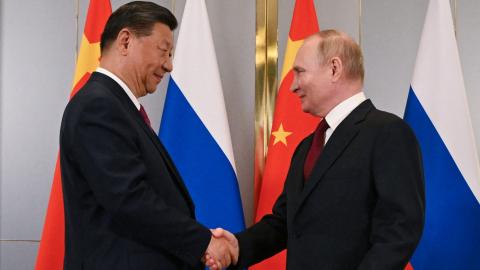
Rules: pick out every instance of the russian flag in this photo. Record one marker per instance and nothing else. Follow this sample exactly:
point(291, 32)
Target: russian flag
point(194, 126)
point(437, 110)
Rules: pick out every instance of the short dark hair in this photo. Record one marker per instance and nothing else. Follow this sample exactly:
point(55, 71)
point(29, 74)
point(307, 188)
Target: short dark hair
point(137, 16)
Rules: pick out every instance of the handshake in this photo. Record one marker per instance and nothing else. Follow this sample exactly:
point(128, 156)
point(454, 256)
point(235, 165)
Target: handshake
point(222, 251)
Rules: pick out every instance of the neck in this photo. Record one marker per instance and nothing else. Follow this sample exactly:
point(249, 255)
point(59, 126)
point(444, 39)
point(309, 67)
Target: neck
point(118, 67)
point(343, 90)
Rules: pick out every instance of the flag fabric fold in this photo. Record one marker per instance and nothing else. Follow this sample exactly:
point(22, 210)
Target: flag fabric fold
point(437, 110)
point(52, 245)
point(194, 126)
point(290, 124)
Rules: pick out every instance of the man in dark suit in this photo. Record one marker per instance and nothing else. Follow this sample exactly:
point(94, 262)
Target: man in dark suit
point(126, 206)
point(354, 195)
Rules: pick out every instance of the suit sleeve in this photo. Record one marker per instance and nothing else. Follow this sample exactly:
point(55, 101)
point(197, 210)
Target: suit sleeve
point(105, 149)
point(398, 215)
point(269, 236)
point(265, 238)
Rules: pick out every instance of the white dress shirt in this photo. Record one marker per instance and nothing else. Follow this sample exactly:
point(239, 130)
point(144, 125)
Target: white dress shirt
point(122, 84)
point(341, 111)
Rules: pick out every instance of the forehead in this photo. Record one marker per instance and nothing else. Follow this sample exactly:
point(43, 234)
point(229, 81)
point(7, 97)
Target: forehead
point(307, 54)
point(162, 34)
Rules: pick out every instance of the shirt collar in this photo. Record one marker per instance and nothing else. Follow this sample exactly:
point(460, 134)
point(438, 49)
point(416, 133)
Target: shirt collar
point(122, 84)
point(343, 109)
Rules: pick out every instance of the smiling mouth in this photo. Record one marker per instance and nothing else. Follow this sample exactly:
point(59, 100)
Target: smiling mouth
point(158, 77)
point(299, 93)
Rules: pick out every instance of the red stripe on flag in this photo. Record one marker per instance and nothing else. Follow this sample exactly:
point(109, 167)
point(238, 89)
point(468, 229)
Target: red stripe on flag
point(51, 250)
point(80, 84)
point(304, 20)
point(288, 112)
point(97, 16)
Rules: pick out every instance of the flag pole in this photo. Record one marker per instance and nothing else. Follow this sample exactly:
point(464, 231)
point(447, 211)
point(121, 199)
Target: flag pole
point(266, 72)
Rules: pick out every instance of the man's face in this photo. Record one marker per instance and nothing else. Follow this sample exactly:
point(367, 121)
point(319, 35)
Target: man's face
point(312, 81)
point(152, 58)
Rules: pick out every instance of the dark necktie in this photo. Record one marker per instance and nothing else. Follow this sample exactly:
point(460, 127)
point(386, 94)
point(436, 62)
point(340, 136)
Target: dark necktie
point(316, 148)
point(145, 116)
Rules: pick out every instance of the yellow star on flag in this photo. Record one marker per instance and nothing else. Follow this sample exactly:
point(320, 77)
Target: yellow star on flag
point(281, 135)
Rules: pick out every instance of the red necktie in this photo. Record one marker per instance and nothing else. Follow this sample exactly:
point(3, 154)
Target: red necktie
point(145, 116)
point(316, 148)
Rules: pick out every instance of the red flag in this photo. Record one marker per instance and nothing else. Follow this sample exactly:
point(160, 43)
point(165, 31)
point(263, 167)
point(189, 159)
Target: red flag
point(52, 246)
point(290, 123)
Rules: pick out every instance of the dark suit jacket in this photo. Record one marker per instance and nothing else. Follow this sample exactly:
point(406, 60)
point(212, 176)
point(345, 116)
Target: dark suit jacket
point(126, 206)
point(361, 208)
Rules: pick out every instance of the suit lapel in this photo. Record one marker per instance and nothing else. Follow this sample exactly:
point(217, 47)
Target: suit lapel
point(166, 157)
point(296, 187)
point(340, 139)
point(128, 104)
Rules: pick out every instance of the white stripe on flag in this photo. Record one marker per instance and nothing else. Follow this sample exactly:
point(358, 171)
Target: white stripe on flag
point(438, 84)
point(196, 54)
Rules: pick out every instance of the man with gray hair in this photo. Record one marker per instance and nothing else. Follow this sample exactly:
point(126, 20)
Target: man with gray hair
point(354, 194)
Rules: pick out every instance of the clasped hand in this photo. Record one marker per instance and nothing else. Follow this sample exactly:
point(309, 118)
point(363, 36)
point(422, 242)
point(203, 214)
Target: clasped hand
point(222, 251)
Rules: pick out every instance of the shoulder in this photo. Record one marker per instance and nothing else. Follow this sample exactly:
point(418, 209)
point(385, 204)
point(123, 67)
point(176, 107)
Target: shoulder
point(379, 119)
point(94, 105)
point(91, 98)
point(386, 124)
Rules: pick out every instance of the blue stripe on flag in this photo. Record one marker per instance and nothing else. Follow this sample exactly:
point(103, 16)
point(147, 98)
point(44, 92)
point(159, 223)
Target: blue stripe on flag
point(205, 169)
point(451, 238)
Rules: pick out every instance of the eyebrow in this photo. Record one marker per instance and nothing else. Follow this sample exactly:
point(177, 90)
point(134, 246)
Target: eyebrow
point(297, 68)
point(165, 46)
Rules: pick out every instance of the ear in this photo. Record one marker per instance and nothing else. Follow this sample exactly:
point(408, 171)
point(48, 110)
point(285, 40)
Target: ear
point(124, 39)
point(336, 66)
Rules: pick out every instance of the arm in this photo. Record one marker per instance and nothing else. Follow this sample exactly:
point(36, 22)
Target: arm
point(105, 150)
point(266, 238)
point(269, 236)
point(398, 215)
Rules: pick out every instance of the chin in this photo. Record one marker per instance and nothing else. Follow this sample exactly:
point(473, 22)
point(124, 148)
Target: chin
point(151, 91)
point(305, 109)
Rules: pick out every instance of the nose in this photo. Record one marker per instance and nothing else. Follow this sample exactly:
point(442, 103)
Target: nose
point(168, 65)
point(294, 86)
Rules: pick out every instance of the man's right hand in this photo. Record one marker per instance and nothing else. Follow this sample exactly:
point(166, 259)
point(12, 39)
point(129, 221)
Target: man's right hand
point(222, 250)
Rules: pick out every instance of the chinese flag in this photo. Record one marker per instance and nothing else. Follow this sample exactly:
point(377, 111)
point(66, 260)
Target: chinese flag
point(290, 123)
point(52, 246)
